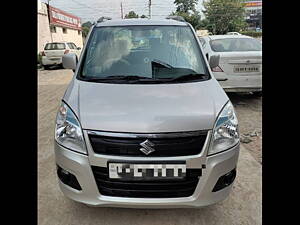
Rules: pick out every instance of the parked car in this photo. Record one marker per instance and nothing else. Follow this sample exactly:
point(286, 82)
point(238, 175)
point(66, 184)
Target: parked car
point(240, 68)
point(53, 52)
point(145, 124)
point(233, 33)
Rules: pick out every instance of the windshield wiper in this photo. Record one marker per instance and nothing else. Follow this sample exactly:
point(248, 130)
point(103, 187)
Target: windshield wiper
point(190, 76)
point(135, 79)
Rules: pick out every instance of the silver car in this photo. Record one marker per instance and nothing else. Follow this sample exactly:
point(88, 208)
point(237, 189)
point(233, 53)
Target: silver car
point(240, 68)
point(143, 122)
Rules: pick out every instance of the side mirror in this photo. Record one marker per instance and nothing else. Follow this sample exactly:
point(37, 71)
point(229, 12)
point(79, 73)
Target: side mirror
point(78, 48)
point(69, 61)
point(214, 61)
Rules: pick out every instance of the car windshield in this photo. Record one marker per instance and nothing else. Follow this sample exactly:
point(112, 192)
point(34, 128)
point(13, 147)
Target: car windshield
point(152, 52)
point(235, 45)
point(55, 46)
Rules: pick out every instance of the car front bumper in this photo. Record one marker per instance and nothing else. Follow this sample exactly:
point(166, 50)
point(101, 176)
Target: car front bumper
point(80, 165)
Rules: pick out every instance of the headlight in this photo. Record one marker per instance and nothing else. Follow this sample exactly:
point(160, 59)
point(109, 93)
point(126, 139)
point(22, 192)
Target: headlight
point(225, 133)
point(68, 132)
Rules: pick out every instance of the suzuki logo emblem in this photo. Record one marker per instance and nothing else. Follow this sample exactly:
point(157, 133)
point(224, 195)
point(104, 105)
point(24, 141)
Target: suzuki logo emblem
point(147, 147)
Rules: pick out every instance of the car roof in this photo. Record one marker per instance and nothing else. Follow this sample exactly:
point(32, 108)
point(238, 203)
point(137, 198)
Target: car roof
point(214, 37)
point(140, 21)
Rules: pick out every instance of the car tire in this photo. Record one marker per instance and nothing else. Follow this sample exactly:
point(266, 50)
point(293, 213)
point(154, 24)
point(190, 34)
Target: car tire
point(257, 94)
point(46, 67)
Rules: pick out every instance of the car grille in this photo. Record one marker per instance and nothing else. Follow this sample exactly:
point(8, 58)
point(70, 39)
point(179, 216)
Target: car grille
point(146, 189)
point(164, 146)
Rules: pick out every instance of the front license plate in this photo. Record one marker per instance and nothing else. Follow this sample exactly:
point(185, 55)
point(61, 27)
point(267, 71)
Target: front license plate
point(246, 69)
point(140, 171)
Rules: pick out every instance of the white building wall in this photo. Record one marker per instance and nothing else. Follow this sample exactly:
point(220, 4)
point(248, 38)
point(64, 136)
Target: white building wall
point(70, 36)
point(39, 3)
point(44, 35)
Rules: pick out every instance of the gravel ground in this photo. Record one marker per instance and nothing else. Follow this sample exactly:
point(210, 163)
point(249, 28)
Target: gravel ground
point(249, 113)
point(243, 206)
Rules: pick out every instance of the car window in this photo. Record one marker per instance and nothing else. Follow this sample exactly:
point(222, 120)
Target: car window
point(74, 46)
point(135, 51)
point(235, 44)
point(55, 46)
point(70, 45)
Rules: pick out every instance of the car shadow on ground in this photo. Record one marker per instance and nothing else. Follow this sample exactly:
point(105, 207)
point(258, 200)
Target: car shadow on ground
point(54, 67)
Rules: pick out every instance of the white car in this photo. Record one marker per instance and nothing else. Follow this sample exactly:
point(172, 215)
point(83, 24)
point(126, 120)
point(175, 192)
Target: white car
point(53, 52)
point(233, 33)
point(240, 67)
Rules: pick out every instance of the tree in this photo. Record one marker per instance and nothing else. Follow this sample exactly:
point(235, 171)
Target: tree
point(222, 16)
point(87, 24)
point(131, 14)
point(185, 5)
point(186, 9)
point(86, 28)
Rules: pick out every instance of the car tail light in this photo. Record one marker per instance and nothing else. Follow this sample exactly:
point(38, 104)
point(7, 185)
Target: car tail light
point(43, 53)
point(66, 51)
point(217, 69)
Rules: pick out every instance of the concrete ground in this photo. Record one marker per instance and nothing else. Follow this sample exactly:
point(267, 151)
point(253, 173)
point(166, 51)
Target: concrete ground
point(243, 206)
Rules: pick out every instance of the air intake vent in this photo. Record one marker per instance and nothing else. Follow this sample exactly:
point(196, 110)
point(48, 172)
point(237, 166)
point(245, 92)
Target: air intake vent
point(146, 189)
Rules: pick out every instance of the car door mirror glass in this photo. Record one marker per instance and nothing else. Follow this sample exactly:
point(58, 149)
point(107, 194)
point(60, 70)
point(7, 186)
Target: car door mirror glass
point(214, 61)
point(69, 61)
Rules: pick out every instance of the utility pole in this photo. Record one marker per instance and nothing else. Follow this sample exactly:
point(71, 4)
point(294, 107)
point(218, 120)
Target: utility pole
point(48, 11)
point(149, 9)
point(121, 10)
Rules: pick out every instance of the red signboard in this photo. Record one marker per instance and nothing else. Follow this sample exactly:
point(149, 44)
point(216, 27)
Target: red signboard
point(253, 4)
point(61, 18)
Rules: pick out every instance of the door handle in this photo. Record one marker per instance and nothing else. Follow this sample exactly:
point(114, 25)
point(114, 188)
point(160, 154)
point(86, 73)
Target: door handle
point(222, 79)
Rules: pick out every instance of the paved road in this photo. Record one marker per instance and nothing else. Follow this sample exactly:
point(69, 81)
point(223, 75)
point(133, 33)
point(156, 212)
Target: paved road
point(243, 206)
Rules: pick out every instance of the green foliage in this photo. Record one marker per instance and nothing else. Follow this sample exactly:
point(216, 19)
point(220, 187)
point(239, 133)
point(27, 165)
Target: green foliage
point(86, 28)
point(224, 16)
point(186, 9)
point(85, 31)
point(252, 33)
point(184, 6)
point(131, 14)
point(87, 24)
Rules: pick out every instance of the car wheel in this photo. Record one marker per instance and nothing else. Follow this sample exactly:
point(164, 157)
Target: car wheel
point(257, 94)
point(46, 67)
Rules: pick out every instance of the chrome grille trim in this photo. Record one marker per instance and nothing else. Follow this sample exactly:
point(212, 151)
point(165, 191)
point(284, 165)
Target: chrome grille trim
point(148, 135)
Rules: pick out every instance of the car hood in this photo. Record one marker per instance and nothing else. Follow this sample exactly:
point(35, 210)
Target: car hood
point(149, 108)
